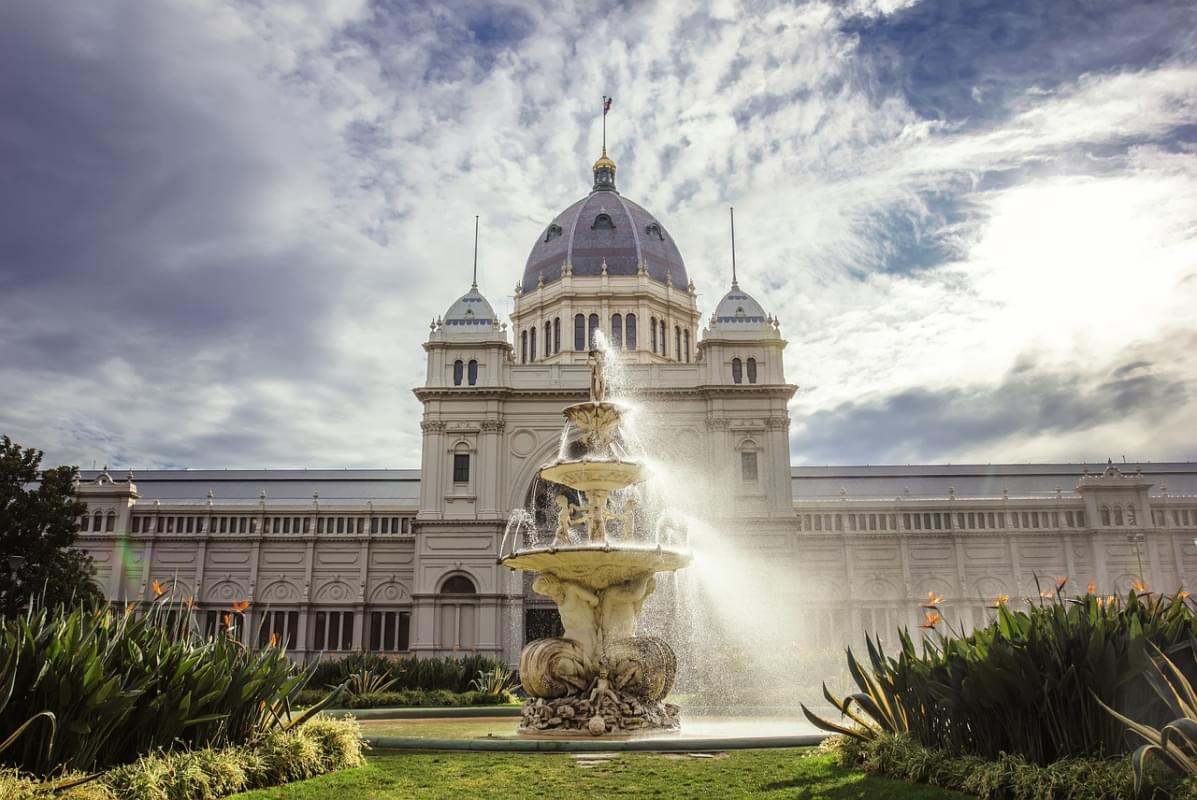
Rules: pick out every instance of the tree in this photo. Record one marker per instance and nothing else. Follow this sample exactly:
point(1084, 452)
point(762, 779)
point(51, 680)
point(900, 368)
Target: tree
point(39, 510)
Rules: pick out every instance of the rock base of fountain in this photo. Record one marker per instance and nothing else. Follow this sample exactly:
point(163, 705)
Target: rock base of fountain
point(598, 712)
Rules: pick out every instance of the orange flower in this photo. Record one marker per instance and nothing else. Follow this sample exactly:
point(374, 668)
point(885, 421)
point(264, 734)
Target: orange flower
point(274, 640)
point(228, 621)
point(1048, 595)
point(933, 619)
point(129, 607)
point(1182, 594)
point(156, 586)
point(240, 606)
point(1060, 581)
point(933, 600)
point(1000, 600)
point(1091, 588)
point(189, 602)
point(1140, 587)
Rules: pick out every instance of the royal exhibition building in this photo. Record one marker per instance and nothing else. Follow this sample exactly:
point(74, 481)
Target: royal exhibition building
point(407, 561)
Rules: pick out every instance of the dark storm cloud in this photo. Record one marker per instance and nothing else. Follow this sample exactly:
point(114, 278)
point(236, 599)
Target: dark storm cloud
point(938, 425)
point(968, 61)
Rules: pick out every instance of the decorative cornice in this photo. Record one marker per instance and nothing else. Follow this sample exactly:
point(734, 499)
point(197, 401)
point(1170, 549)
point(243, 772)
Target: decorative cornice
point(777, 423)
point(433, 426)
point(493, 425)
point(718, 423)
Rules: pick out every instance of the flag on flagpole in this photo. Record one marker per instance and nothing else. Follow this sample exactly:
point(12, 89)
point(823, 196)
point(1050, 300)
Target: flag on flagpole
point(606, 105)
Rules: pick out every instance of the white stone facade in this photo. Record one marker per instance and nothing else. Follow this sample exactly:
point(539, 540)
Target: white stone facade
point(406, 561)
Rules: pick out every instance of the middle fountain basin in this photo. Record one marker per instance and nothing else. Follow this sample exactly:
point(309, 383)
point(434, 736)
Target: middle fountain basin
point(595, 475)
point(599, 566)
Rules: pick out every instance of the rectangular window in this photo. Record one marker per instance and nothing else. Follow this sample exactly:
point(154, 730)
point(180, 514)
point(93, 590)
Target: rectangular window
point(818, 522)
point(375, 522)
point(361, 525)
point(307, 524)
point(461, 467)
point(748, 466)
point(286, 524)
point(320, 525)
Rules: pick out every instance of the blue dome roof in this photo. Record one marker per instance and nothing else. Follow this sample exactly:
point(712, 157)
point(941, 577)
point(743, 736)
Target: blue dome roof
point(606, 227)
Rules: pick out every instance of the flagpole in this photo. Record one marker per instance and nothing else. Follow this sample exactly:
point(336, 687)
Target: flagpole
point(475, 285)
point(604, 124)
point(732, 211)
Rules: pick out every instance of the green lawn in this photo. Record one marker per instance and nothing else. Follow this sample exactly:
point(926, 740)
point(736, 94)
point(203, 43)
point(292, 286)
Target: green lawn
point(463, 776)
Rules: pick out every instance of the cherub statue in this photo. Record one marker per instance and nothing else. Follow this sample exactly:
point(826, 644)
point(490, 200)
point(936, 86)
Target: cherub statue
point(577, 606)
point(566, 518)
point(629, 519)
point(621, 605)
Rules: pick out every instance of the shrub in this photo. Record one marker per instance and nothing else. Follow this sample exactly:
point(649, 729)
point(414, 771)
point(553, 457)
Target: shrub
point(452, 674)
point(120, 685)
point(1029, 683)
point(1007, 777)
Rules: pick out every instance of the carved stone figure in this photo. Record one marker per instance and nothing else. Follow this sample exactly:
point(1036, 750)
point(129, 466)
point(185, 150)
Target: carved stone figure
point(577, 606)
point(621, 606)
point(566, 517)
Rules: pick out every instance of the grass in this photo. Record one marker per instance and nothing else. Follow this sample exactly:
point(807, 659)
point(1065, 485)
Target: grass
point(442, 728)
point(804, 774)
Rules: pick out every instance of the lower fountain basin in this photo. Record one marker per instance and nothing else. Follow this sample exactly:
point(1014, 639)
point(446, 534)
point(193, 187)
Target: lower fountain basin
point(599, 566)
point(586, 475)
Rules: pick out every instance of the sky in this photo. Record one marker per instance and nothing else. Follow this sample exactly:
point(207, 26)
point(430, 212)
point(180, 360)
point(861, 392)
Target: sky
point(227, 225)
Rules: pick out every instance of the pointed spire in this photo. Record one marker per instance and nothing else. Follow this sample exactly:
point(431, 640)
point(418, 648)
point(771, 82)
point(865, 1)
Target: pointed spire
point(474, 284)
point(604, 168)
point(732, 211)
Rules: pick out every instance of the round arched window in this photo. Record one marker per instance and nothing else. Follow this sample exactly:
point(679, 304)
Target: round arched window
point(458, 584)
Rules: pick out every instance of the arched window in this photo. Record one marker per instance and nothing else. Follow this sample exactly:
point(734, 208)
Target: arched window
point(1105, 515)
point(532, 345)
point(557, 334)
point(458, 584)
point(616, 331)
point(1130, 514)
point(579, 331)
point(473, 372)
point(629, 334)
point(111, 526)
point(664, 341)
point(457, 614)
point(652, 333)
point(686, 337)
point(677, 343)
point(748, 463)
point(458, 367)
point(524, 347)
point(603, 222)
point(737, 371)
point(97, 522)
point(1118, 515)
point(752, 370)
point(593, 328)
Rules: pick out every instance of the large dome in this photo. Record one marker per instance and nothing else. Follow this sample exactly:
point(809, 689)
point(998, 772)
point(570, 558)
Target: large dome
point(604, 227)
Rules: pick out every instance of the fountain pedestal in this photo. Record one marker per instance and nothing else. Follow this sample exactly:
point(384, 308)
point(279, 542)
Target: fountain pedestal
point(599, 678)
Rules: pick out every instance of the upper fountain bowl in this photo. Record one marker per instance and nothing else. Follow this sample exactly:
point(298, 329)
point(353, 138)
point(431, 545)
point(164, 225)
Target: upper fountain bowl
point(598, 566)
point(594, 475)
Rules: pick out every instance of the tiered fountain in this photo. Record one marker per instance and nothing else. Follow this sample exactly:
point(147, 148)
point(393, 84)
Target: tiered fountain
point(600, 678)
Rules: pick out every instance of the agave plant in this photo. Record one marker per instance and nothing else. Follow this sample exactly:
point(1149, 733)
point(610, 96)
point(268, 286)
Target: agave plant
point(496, 681)
point(1176, 743)
point(365, 683)
point(877, 708)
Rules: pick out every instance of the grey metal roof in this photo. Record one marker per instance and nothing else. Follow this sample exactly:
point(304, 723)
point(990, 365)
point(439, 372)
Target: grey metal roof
point(336, 486)
point(471, 309)
point(740, 308)
point(972, 480)
point(576, 236)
